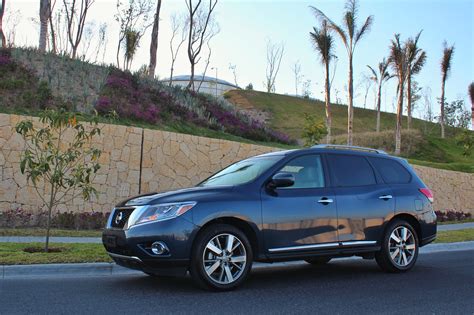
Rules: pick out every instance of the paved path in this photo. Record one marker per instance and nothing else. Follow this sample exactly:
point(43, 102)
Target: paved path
point(440, 283)
point(98, 240)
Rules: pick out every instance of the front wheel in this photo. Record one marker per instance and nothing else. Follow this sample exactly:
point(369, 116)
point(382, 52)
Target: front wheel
point(221, 258)
point(399, 248)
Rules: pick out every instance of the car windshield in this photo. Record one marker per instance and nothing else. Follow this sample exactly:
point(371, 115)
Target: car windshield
point(241, 172)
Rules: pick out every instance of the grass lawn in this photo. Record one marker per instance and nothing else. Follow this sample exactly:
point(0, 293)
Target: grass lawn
point(455, 236)
point(53, 232)
point(13, 254)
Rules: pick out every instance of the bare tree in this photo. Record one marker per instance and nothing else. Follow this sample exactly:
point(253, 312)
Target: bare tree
point(177, 24)
point(380, 78)
point(52, 4)
point(296, 69)
point(350, 36)
point(133, 17)
point(233, 68)
point(398, 60)
point(213, 31)
point(3, 41)
point(154, 41)
point(366, 83)
point(76, 14)
point(446, 61)
point(199, 17)
point(44, 18)
point(416, 59)
point(274, 56)
point(102, 42)
point(10, 23)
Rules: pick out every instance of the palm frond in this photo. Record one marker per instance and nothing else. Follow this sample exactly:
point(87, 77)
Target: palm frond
point(446, 61)
point(323, 42)
point(322, 17)
point(364, 29)
point(374, 77)
point(471, 93)
point(418, 63)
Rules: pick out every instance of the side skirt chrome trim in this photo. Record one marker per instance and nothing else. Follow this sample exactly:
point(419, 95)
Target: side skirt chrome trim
point(134, 258)
point(325, 245)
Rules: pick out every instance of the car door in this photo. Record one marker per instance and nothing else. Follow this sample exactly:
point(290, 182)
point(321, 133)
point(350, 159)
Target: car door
point(303, 216)
point(364, 202)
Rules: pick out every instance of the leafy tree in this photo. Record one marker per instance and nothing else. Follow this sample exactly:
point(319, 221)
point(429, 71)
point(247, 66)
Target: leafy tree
point(456, 115)
point(380, 77)
point(350, 35)
point(416, 59)
point(323, 43)
point(314, 130)
point(132, 40)
point(466, 140)
point(249, 87)
point(65, 168)
point(446, 61)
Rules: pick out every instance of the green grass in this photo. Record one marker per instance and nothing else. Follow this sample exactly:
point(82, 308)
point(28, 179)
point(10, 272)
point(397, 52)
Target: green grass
point(13, 254)
point(53, 232)
point(455, 236)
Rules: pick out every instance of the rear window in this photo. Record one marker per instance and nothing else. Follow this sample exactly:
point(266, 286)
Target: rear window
point(351, 170)
point(391, 170)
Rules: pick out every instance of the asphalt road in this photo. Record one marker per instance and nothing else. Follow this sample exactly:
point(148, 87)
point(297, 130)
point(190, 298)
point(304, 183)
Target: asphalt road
point(441, 283)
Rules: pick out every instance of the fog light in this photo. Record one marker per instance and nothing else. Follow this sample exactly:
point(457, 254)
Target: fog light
point(159, 248)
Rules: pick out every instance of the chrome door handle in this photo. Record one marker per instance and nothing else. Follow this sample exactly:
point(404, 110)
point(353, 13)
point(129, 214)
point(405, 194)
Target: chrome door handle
point(386, 197)
point(325, 200)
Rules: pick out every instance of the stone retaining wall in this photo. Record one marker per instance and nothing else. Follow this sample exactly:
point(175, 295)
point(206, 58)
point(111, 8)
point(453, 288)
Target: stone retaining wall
point(170, 160)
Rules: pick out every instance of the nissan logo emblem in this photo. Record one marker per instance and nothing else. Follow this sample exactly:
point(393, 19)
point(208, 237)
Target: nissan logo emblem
point(119, 217)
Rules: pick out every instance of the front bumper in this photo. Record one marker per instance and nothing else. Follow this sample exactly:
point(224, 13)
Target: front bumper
point(130, 247)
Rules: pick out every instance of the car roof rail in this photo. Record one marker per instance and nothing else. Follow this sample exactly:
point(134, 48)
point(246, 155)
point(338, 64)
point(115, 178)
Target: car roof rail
point(347, 147)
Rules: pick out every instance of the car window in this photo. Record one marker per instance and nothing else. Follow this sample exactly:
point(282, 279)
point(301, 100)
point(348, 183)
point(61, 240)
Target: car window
point(351, 170)
point(392, 171)
point(308, 172)
point(241, 172)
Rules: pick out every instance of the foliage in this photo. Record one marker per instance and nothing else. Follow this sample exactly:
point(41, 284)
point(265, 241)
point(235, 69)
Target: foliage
point(65, 167)
point(466, 140)
point(452, 215)
point(456, 115)
point(314, 130)
point(249, 87)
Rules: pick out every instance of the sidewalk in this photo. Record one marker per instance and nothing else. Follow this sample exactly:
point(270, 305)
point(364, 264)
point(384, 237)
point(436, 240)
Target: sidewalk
point(106, 269)
point(453, 227)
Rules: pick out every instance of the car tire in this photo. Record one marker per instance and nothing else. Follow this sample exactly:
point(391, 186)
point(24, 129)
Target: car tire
point(318, 261)
point(399, 250)
point(213, 265)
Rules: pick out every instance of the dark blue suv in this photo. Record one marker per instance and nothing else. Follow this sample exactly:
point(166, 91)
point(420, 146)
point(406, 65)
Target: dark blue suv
point(312, 204)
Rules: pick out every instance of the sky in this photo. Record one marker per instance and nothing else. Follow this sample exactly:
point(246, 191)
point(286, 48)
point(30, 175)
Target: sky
point(246, 26)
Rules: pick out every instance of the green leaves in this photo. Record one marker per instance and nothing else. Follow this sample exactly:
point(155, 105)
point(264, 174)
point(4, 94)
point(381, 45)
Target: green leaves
point(314, 130)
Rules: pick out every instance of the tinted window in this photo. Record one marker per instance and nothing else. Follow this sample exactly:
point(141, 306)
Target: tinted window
point(351, 170)
point(392, 172)
point(308, 172)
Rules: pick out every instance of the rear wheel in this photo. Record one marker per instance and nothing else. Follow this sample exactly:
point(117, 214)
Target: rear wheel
point(399, 248)
point(318, 260)
point(221, 258)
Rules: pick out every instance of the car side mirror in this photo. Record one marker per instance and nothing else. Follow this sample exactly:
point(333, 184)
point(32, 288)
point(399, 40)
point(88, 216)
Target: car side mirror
point(282, 179)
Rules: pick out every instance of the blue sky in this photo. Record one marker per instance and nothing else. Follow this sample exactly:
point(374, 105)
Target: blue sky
point(246, 25)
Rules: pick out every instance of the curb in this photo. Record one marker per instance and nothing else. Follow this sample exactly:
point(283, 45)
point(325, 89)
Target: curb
point(107, 269)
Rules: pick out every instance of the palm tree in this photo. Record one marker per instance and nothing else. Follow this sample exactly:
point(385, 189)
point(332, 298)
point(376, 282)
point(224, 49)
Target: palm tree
point(471, 95)
point(324, 44)
point(398, 60)
point(445, 67)
point(416, 59)
point(380, 78)
point(350, 36)
point(2, 36)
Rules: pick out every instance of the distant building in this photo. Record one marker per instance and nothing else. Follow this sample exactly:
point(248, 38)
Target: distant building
point(209, 84)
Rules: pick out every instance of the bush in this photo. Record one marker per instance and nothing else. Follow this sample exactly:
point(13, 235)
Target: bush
point(452, 215)
point(314, 130)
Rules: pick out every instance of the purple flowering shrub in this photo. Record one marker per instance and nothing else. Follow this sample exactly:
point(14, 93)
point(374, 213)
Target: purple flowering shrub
point(133, 97)
point(452, 215)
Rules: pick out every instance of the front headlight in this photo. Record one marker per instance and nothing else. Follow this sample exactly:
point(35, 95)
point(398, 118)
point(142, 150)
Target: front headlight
point(161, 212)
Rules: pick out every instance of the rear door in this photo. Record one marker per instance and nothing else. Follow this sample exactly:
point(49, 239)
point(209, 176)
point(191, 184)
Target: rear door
point(364, 202)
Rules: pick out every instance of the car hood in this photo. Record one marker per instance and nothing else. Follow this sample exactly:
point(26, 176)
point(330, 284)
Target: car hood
point(187, 194)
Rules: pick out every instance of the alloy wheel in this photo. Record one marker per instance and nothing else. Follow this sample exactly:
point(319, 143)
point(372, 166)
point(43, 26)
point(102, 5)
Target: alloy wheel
point(402, 246)
point(224, 258)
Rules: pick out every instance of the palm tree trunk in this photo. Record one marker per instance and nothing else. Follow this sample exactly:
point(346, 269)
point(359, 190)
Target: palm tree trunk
point(350, 109)
point(408, 99)
point(2, 36)
point(441, 119)
point(154, 41)
point(44, 16)
point(398, 131)
point(328, 104)
point(379, 97)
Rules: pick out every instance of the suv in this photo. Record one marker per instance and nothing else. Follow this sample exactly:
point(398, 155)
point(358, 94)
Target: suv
point(312, 204)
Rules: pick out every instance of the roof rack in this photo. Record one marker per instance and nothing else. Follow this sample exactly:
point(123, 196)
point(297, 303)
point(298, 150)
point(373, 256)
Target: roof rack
point(347, 147)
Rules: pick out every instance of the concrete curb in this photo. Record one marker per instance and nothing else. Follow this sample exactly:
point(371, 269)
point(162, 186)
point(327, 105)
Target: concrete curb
point(106, 269)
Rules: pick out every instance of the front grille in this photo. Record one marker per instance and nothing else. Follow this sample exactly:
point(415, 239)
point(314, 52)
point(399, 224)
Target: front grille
point(120, 217)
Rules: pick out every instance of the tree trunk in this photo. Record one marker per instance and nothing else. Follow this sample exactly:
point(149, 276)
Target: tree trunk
point(350, 109)
point(3, 43)
point(379, 97)
point(154, 41)
point(328, 105)
point(48, 224)
point(51, 27)
point(408, 99)
point(398, 131)
point(44, 17)
point(441, 119)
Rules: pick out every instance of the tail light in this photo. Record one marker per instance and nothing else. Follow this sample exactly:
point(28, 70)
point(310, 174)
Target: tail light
point(428, 193)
